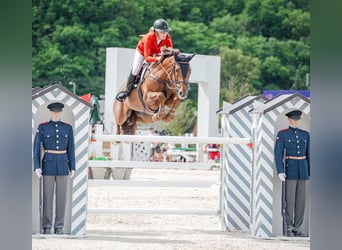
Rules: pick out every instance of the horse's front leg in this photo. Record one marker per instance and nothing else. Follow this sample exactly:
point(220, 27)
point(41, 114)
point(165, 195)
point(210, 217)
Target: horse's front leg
point(171, 114)
point(156, 101)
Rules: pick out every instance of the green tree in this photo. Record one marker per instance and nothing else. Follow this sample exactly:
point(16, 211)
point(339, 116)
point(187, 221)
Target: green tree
point(289, 56)
point(268, 39)
point(275, 73)
point(184, 120)
point(265, 17)
point(198, 38)
point(297, 25)
point(230, 25)
point(238, 72)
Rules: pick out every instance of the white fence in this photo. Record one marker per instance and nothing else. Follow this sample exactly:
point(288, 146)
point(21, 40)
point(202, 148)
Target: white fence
point(173, 139)
point(116, 140)
point(122, 140)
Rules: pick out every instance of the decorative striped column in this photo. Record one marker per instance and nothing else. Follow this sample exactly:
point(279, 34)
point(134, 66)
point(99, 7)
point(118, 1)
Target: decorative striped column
point(262, 182)
point(236, 166)
point(263, 166)
point(81, 133)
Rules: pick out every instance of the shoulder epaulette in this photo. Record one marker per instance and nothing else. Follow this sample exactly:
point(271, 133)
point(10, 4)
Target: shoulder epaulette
point(65, 123)
point(283, 130)
point(43, 123)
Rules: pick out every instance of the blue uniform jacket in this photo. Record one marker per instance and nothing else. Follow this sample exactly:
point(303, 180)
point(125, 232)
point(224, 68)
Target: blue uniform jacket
point(293, 142)
point(54, 136)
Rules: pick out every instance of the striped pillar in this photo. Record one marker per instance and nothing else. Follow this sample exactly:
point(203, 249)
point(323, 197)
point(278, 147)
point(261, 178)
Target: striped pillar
point(263, 167)
point(262, 182)
point(236, 167)
point(81, 133)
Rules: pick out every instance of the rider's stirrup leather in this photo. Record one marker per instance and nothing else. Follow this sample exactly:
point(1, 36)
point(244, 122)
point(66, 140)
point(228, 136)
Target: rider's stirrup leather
point(121, 96)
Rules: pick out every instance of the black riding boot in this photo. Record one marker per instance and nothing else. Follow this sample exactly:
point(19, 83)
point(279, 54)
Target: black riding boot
point(121, 96)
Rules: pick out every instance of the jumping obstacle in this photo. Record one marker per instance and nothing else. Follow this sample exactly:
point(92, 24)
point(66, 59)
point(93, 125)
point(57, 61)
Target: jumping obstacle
point(126, 139)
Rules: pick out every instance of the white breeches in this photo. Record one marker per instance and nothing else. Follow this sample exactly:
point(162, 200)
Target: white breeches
point(137, 63)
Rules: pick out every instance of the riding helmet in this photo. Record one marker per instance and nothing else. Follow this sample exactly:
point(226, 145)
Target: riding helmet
point(161, 25)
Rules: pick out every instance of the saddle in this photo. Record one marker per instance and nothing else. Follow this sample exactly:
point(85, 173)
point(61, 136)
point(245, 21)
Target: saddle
point(140, 77)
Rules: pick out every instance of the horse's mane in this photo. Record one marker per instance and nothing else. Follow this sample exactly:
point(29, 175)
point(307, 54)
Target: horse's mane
point(166, 52)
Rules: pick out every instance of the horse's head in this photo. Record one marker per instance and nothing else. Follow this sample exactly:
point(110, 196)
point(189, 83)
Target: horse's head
point(182, 71)
point(178, 70)
point(173, 69)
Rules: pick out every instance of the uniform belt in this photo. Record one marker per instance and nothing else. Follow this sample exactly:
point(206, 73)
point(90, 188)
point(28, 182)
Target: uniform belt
point(295, 157)
point(55, 151)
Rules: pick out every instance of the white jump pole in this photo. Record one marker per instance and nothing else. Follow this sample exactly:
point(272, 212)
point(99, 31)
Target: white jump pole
point(153, 211)
point(174, 139)
point(150, 164)
point(151, 183)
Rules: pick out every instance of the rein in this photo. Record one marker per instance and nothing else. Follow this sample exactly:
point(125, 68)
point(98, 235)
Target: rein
point(171, 84)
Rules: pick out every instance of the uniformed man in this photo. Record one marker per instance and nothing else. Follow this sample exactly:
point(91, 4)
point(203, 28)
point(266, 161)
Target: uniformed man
point(292, 147)
point(57, 141)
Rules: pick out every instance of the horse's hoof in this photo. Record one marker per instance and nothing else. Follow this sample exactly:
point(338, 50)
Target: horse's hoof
point(155, 117)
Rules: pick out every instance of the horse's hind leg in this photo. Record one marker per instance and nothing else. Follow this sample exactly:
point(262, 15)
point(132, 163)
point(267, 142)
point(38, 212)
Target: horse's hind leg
point(118, 129)
point(129, 126)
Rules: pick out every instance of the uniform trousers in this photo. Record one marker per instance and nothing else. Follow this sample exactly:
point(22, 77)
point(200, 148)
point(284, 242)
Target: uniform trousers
point(295, 196)
point(49, 183)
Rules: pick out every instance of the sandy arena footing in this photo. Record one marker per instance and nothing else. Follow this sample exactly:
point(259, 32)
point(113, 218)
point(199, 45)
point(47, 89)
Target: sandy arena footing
point(161, 231)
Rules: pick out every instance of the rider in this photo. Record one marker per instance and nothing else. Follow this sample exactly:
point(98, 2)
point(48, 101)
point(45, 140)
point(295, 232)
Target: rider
point(147, 49)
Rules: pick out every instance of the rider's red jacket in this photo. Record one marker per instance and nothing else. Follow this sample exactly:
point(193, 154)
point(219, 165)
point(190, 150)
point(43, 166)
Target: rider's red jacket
point(148, 45)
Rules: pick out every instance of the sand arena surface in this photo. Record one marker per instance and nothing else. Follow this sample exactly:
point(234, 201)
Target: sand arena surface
point(160, 231)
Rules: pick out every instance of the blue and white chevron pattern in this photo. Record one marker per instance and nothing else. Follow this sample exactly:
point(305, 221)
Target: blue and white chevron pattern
point(236, 167)
point(264, 164)
point(81, 133)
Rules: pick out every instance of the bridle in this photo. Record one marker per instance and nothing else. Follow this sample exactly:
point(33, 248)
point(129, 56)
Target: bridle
point(172, 83)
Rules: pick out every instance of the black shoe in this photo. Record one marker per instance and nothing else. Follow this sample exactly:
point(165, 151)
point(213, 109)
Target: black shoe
point(121, 96)
point(58, 231)
point(300, 234)
point(290, 234)
point(46, 231)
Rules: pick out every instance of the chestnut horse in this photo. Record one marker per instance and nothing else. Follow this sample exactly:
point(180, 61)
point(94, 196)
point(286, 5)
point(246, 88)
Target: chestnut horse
point(161, 88)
